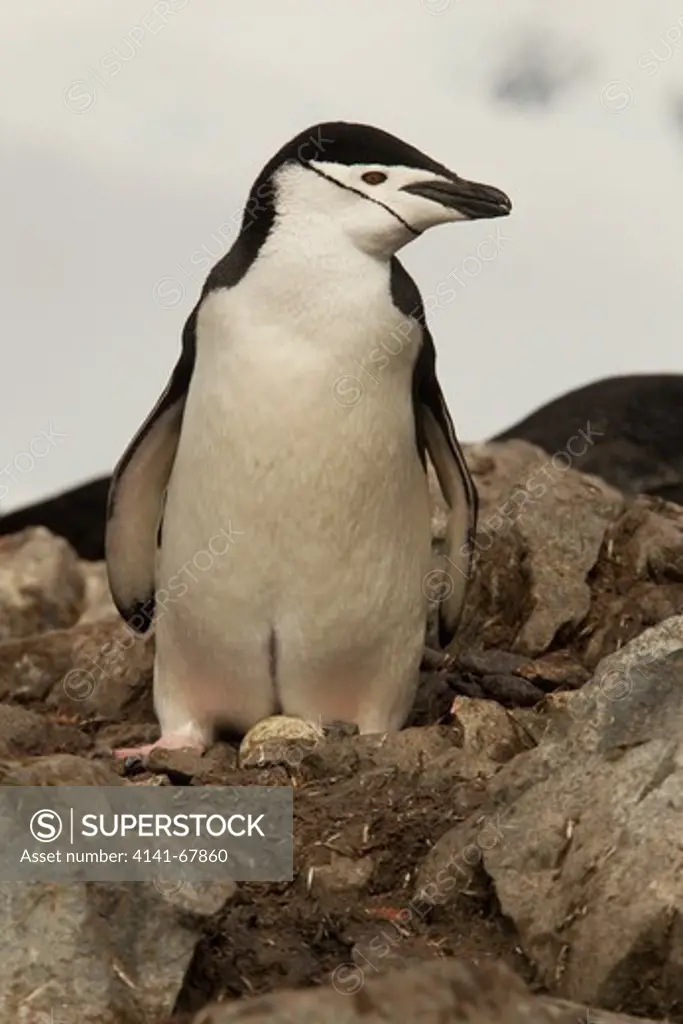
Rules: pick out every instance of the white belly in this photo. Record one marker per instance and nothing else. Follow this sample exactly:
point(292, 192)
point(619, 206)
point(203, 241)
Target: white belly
point(298, 519)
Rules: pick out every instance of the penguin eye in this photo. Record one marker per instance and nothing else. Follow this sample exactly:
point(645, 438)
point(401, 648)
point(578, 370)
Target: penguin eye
point(374, 177)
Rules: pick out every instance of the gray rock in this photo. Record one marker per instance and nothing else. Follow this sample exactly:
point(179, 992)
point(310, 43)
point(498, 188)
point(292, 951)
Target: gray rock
point(57, 770)
point(180, 765)
point(218, 767)
point(25, 732)
point(436, 992)
point(96, 669)
point(428, 750)
point(587, 1015)
point(98, 953)
point(557, 670)
point(334, 873)
point(561, 560)
point(201, 899)
point(581, 838)
point(655, 540)
point(549, 519)
point(641, 568)
point(41, 587)
point(493, 662)
point(488, 730)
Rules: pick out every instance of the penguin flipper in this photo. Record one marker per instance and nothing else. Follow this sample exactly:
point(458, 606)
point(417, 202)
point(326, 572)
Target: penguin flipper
point(435, 434)
point(136, 496)
point(457, 487)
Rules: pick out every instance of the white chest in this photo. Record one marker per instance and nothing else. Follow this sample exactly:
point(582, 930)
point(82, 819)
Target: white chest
point(300, 403)
point(310, 343)
point(299, 433)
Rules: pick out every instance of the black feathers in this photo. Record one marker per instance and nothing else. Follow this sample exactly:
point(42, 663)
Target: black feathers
point(344, 143)
point(429, 401)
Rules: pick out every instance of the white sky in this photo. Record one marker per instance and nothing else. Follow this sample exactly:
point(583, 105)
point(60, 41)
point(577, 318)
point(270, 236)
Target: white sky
point(116, 171)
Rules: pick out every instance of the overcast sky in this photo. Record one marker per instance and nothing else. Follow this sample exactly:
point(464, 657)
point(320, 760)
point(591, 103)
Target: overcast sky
point(130, 135)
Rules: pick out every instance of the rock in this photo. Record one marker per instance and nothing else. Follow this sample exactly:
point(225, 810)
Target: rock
point(218, 767)
point(432, 701)
point(97, 603)
point(633, 424)
point(555, 713)
point(180, 765)
point(98, 953)
point(279, 739)
point(99, 669)
point(497, 675)
point(498, 599)
point(413, 751)
point(41, 587)
point(409, 751)
point(25, 732)
point(640, 575)
point(332, 873)
point(510, 679)
point(428, 993)
point(510, 691)
point(57, 770)
point(79, 515)
point(540, 533)
point(557, 670)
point(587, 1015)
point(582, 843)
point(201, 899)
point(566, 569)
point(480, 663)
point(487, 730)
point(652, 534)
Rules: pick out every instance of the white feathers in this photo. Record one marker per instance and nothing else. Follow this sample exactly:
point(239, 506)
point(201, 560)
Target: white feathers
point(137, 503)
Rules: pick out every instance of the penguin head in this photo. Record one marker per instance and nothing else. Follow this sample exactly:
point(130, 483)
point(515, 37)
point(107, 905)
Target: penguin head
point(374, 188)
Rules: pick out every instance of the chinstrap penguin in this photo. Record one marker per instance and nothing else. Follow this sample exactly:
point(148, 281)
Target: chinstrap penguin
point(306, 495)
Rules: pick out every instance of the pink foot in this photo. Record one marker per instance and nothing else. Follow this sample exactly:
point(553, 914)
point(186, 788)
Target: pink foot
point(172, 741)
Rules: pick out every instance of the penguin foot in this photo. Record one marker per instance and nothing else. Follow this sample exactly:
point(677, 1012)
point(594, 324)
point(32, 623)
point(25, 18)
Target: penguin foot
point(169, 741)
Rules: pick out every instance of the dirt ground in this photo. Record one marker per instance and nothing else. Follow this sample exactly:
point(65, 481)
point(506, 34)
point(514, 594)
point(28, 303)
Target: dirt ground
point(367, 810)
point(295, 934)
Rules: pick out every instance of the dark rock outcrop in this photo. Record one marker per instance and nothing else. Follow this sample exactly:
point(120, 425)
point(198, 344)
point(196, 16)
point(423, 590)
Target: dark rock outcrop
point(636, 431)
point(77, 515)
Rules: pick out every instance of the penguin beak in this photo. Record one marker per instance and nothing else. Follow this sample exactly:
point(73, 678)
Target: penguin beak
point(467, 197)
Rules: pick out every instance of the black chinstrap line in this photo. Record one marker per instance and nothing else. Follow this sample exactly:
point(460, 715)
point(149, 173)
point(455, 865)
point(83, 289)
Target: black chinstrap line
point(357, 191)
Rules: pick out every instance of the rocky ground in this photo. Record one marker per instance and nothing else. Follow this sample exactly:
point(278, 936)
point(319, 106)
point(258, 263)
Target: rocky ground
point(515, 854)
